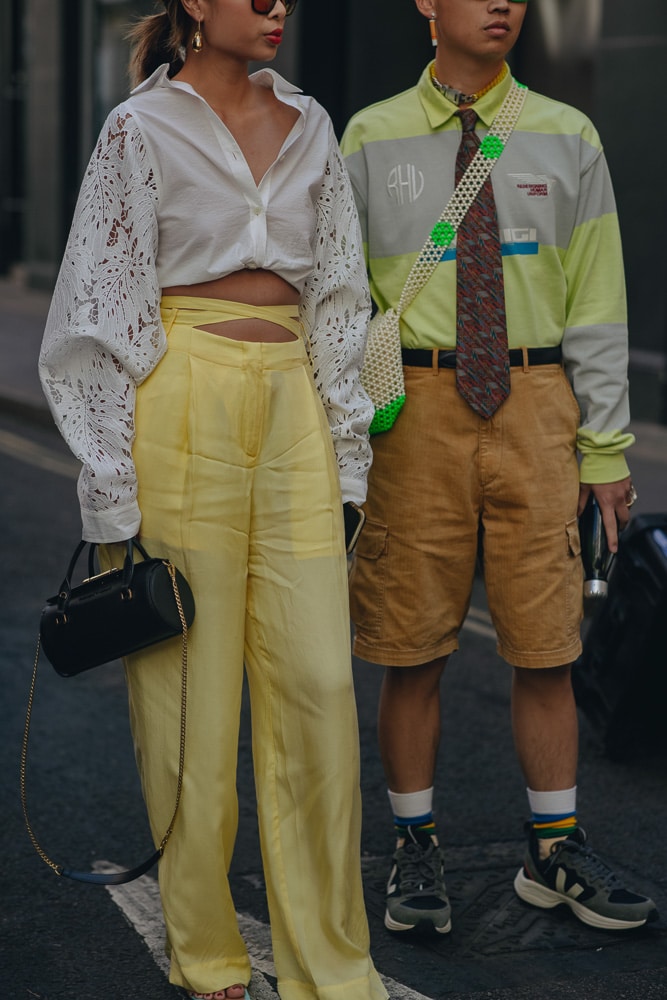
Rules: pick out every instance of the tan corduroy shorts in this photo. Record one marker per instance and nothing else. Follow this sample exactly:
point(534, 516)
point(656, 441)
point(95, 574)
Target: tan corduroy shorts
point(446, 482)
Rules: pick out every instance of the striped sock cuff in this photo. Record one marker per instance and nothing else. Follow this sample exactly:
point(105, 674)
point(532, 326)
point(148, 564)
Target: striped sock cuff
point(554, 813)
point(550, 826)
point(417, 822)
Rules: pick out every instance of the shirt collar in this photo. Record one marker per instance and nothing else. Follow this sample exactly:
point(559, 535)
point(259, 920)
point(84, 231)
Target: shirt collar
point(158, 78)
point(439, 110)
point(265, 76)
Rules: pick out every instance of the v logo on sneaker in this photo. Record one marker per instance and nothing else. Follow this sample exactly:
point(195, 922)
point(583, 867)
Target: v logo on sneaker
point(561, 885)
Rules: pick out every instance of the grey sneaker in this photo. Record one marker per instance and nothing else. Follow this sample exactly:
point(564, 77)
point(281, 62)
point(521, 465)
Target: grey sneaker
point(574, 875)
point(416, 892)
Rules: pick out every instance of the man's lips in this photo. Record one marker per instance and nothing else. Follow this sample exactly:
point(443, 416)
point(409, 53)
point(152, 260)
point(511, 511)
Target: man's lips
point(498, 28)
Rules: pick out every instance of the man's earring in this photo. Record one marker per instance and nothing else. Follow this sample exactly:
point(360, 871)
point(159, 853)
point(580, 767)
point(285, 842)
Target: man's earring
point(434, 35)
point(198, 39)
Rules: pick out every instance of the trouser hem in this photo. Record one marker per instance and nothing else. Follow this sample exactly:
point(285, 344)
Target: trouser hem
point(551, 658)
point(402, 658)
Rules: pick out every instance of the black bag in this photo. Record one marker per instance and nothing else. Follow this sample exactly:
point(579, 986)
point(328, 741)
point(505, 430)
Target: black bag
point(620, 680)
point(110, 615)
point(114, 613)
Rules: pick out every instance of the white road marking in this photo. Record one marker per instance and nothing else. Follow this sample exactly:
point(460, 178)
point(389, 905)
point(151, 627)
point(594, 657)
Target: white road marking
point(487, 631)
point(39, 456)
point(480, 623)
point(139, 902)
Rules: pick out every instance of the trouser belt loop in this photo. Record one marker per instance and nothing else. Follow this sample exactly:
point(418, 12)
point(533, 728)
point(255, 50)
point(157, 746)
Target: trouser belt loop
point(173, 313)
point(435, 366)
point(524, 352)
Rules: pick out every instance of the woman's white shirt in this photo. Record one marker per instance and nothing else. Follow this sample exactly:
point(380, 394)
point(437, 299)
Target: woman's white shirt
point(168, 199)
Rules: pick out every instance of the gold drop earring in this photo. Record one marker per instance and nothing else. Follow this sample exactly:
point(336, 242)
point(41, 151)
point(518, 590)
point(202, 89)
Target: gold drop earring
point(434, 34)
point(198, 39)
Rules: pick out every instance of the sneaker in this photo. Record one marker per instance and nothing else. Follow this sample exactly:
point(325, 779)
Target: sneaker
point(574, 875)
point(416, 893)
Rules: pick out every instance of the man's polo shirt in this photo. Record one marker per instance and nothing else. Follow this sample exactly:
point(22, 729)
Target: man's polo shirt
point(562, 258)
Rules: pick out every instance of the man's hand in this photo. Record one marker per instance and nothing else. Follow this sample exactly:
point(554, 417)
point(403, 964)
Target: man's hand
point(615, 500)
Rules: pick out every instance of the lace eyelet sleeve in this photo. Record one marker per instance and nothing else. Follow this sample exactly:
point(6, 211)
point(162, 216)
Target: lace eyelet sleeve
point(103, 334)
point(336, 310)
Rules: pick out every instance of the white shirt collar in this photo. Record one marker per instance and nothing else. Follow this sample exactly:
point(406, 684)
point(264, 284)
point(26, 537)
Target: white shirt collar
point(268, 77)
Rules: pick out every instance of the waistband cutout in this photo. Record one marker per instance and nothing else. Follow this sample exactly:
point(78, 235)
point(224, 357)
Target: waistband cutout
point(202, 311)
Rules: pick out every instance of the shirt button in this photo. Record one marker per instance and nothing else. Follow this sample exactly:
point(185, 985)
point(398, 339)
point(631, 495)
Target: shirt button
point(257, 211)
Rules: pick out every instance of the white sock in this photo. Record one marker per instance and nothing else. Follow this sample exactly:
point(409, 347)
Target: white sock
point(411, 805)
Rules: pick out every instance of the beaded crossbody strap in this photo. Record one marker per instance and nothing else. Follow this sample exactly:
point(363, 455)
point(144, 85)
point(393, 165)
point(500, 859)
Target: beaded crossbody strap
point(465, 192)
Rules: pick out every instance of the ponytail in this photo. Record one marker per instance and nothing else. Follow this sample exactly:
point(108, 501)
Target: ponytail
point(157, 39)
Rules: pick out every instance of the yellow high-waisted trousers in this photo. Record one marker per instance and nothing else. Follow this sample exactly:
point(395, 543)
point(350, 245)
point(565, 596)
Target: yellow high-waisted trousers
point(238, 485)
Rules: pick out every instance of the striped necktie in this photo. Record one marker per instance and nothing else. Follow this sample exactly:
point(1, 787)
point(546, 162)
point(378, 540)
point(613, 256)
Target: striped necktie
point(482, 359)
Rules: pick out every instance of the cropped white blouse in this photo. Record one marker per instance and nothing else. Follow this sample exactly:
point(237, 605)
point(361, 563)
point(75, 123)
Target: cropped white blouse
point(168, 199)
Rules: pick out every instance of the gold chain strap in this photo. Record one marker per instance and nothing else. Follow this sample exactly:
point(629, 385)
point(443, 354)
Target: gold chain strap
point(184, 698)
point(58, 869)
point(24, 754)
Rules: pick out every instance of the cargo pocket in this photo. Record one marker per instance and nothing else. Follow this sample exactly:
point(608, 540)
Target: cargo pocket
point(574, 595)
point(367, 579)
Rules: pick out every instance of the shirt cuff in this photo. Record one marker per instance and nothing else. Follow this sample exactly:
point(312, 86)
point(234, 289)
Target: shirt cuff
point(114, 525)
point(602, 468)
point(603, 455)
point(353, 489)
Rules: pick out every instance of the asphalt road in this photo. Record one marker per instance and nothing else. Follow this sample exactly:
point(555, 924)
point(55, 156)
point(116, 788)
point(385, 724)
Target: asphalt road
point(62, 941)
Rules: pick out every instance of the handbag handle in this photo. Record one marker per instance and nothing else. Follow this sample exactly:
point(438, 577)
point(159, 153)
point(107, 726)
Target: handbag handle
point(65, 589)
point(127, 875)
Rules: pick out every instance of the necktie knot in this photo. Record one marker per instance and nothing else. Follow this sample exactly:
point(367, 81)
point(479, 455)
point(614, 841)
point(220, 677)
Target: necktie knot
point(468, 119)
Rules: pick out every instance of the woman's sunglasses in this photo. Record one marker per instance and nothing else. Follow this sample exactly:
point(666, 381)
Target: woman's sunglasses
point(266, 6)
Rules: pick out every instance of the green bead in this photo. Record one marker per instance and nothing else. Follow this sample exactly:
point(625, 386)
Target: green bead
point(384, 418)
point(491, 147)
point(442, 233)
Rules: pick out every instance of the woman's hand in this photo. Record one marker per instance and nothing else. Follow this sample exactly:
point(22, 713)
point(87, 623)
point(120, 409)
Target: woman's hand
point(354, 518)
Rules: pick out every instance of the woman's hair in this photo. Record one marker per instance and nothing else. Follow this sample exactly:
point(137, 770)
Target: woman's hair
point(159, 38)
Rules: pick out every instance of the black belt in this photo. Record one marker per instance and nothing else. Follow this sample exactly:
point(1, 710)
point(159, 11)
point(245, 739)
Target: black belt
point(420, 358)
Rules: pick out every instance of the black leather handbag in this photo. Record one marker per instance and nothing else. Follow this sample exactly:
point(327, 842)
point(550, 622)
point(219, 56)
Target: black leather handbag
point(110, 615)
point(114, 613)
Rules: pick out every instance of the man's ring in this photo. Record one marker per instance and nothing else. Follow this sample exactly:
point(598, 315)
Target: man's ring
point(630, 496)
